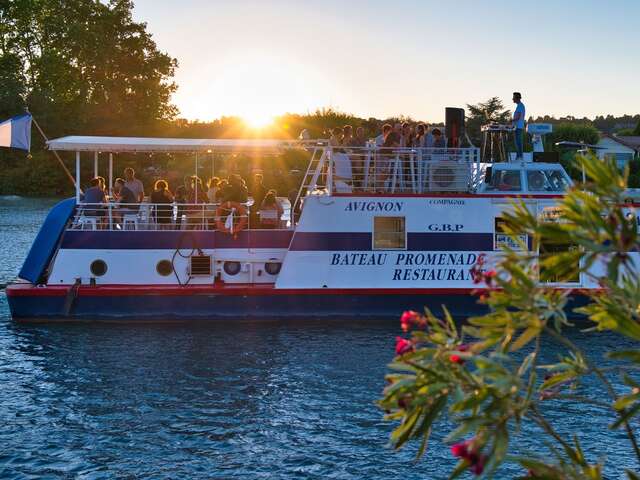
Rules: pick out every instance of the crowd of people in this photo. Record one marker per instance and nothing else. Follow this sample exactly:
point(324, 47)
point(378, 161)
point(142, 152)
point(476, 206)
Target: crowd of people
point(398, 135)
point(265, 210)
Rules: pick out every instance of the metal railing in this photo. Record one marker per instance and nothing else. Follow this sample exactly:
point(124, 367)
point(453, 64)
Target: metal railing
point(177, 216)
point(392, 170)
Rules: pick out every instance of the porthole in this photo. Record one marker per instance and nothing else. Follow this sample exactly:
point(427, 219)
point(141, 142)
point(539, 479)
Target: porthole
point(272, 268)
point(98, 268)
point(232, 268)
point(164, 268)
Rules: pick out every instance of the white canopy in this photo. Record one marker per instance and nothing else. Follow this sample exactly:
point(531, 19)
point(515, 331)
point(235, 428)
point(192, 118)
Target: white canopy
point(147, 144)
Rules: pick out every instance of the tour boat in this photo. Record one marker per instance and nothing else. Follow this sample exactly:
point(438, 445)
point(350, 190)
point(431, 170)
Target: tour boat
point(372, 232)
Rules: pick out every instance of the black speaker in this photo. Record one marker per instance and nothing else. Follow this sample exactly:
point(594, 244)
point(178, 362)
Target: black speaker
point(546, 157)
point(454, 126)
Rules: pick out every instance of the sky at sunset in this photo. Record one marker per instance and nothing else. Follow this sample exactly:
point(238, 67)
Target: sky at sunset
point(374, 58)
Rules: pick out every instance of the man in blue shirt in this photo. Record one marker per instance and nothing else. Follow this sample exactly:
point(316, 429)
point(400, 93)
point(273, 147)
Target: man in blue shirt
point(518, 123)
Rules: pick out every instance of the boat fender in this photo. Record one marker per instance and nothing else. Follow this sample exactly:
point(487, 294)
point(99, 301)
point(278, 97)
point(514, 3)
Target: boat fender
point(231, 208)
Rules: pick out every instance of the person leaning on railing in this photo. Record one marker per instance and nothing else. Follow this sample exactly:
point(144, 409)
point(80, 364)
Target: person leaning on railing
point(162, 201)
point(270, 211)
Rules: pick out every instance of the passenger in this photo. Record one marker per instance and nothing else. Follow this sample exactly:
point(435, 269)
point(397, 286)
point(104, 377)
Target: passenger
point(212, 189)
point(360, 140)
point(427, 140)
point(94, 195)
point(386, 129)
point(198, 193)
point(182, 195)
point(223, 186)
point(385, 162)
point(406, 140)
point(162, 199)
point(347, 135)
point(133, 184)
point(258, 191)
point(237, 190)
point(336, 137)
point(418, 140)
point(438, 139)
point(126, 201)
point(270, 211)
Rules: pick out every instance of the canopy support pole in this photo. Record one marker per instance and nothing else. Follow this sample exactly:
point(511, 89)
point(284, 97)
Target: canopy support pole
point(77, 182)
point(110, 174)
point(95, 164)
point(195, 182)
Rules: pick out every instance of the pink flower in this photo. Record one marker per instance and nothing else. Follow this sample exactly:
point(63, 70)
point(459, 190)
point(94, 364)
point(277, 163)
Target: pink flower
point(403, 346)
point(409, 319)
point(463, 347)
point(460, 450)
point(478, 467)
point(466, 452)
point(456, 359)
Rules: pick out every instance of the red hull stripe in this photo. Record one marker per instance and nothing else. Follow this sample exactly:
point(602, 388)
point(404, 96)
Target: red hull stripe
point(26, 290)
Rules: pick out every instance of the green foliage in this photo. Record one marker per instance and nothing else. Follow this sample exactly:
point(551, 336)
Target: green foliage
point(583, 133)
point(476, 374)
point(491, 111)
point(82, 64)
point(637, 130)
point(625, 132)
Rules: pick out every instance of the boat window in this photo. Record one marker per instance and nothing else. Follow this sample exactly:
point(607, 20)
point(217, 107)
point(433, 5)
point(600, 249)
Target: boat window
point(389, 233)
point(505, 180)
point(502, 239)
point(546, 181)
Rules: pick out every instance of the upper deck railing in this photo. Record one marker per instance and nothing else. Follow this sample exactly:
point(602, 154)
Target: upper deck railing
point(230, 218)
point(379, 170)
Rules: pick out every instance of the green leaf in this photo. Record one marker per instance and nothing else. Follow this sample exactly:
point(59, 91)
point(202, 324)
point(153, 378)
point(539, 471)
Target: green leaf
point(526, 336)
point(630, 355)
point(626, 416)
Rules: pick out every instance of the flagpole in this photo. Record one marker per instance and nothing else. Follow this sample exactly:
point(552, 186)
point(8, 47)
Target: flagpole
point(64, 167)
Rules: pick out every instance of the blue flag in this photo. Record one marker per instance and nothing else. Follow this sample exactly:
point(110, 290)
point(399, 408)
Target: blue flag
point(16, 132)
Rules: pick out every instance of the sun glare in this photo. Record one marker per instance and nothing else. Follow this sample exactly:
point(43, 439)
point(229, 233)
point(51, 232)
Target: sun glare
point(258, 119)
point(257, 86)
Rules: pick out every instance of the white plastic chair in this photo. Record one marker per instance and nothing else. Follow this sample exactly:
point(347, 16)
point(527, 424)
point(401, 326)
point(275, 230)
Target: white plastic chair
point(130, 219)
point(85, 220)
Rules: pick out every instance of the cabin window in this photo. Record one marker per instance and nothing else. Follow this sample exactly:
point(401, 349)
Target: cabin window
point(546, 181)
point(502, 239)
point(505, 180)
point(389, 233)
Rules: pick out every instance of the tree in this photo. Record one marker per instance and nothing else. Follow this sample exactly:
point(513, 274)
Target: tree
point(637, 130)
point(491, 111)
point(85, 65)
point(487, 374)
point(582, 133)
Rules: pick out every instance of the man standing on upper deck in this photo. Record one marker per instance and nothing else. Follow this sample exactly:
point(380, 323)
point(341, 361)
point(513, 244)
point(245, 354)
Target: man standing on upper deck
point(133, 184)
point(518, 123)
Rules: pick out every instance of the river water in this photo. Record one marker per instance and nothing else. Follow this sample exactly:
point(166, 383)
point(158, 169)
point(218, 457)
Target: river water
point(289, 399)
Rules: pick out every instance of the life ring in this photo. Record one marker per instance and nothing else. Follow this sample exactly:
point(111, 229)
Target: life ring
point(240, 213)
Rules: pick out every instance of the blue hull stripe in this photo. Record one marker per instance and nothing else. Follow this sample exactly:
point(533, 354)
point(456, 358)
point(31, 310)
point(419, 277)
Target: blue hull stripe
point(302, 241)
point(419, 242)
point(159, 240)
